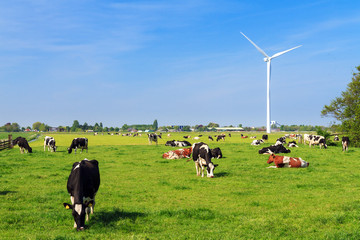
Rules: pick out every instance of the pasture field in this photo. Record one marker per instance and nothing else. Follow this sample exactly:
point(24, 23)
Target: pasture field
point(143, 196)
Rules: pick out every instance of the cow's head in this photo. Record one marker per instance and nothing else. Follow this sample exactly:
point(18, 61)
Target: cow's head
point(69, 150)
point(210, 169)
point(79, 213)
point(271, 158)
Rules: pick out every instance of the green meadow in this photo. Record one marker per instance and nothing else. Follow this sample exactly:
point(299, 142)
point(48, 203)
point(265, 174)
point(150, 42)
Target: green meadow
point(143, 196)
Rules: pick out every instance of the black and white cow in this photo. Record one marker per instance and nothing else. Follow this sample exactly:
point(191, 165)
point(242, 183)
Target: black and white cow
point(220, 137)
point(50, 143)
point(265, 137)
point(292, 144)
point(257, 142)
point(82, 185)
point(274, 149)
point(202, 158)
point(317, 140)
point(78, 143)
point(23, 144)
point(280, 141)
point(210, 138)
point(216, 153)
point(174, 143)
point(336, 138)
point(345, 143)
point(152, 137)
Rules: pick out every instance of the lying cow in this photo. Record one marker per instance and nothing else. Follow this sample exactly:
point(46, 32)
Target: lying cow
point(202, 158)
point(274, 149)
point(286, 162)
point(174, 143)
point(257, 142)
point(78, 143)
point(177, 154)
point(216, 153)
point(82, 185)
point(292, 144)
point(345, 143)
point(49, 142)
point(23, 144)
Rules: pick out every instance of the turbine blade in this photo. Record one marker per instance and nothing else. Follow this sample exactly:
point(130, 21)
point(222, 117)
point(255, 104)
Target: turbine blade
point(260, 50)
point(281, 53)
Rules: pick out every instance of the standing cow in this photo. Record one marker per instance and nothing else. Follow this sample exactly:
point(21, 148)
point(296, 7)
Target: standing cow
point(152, 137)
point(78, 143)
point(345, 143)
point(202, 158)
point(50, 143)
point(82, 185)
point(23, 144)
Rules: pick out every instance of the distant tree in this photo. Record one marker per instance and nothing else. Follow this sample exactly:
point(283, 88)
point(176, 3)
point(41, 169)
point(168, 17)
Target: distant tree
point(117, 129)
point(106, 129)
point(125, 127)
point(75, 126)
point(186, 129)
point(15, 127)
point(36, 125)
point(111, 129)
point(213, 125)
point(155, 125)
point(85, 126)
point(346, 109)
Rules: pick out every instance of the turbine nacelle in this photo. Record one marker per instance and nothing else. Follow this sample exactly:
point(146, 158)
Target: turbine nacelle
point(266, 59)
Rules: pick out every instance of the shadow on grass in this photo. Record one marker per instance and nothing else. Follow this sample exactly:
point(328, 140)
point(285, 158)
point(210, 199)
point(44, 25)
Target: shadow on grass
point(221, 174)
point(109, 218)
point(6, 192)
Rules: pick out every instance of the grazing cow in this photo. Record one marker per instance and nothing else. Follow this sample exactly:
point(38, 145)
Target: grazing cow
point(82, 185)
point(265, 137)
point(287, 162)
point(78, 143)
point(174, 143)
point(50, 143)
point(220, 137)
point(177, 154)
point(216, 153)
point(274, 149)
point(210, 138)
point(202, 158)
point(292, 144)
point(336, 138)
point(153, 138)
point(345, 143)
point(186, 137)
point(257, 142)
point(23, 144)
point(229, 134)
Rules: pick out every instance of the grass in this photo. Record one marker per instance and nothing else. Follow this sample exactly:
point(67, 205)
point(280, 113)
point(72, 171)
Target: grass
point(143, 196)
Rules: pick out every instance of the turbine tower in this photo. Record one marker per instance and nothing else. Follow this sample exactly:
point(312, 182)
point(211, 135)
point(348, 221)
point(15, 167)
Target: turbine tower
point(267, 59)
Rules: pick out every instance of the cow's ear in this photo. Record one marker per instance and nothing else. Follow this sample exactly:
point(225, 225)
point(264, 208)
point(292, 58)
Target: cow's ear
point(67, 206)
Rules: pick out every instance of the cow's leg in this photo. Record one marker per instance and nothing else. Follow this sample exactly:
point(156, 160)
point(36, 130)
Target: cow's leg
point(197, 166)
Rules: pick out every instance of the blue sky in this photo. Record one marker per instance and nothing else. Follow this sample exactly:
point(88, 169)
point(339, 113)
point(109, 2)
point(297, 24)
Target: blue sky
point(180, 62)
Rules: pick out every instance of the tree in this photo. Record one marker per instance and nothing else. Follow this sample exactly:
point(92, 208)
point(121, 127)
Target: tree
point(75, 125)
point(155, 125)
point(213, 125)
point(36, 125)
point(346, 109)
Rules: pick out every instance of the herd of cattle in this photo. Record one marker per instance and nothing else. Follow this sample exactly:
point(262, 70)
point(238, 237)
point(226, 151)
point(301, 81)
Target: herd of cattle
point(84, 179)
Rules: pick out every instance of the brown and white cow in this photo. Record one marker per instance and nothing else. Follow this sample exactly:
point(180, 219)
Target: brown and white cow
point(177, 154)
point(287, 162)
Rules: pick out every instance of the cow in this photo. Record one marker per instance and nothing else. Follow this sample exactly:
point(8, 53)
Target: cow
point(82, 185)
point(216, 153)
point(50, 143)
point(345, 143)
point(196, 138)
point(336, 138)
point(292, 144)
point(23, 144)
point(186, 137)
point(202, 158)
point(177, 154)
point(265, 137)
point(210, 138)
point(317, 140)
point(286, 162)
point(152, 137)
point(174, 143)
point(220, 137)
point(78, 143)
point(274, 149)
point(257, 142)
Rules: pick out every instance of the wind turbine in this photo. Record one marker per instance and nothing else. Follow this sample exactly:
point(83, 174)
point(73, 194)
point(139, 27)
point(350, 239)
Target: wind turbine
point(268, 60)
